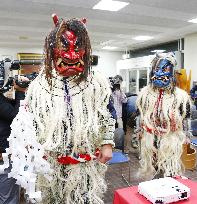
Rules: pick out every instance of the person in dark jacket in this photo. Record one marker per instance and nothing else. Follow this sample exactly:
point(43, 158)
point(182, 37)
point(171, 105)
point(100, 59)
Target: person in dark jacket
point(111, 108)
point(130, 114)
point(193, 93)
point(9, 190)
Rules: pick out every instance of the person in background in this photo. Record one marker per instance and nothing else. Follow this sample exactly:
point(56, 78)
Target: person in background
point(193, 93)
point(119, 98)
point(131, 113)
point(9, 190)
point(111, 108)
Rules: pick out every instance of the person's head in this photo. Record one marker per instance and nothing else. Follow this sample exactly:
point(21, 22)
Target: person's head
point(68, 49)
point(117, 81)
point(162, 71)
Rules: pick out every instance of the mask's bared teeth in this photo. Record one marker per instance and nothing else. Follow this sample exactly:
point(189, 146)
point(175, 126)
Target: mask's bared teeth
point(62, 64)
point(78, 64)
point(59, 61)
point(81, 62)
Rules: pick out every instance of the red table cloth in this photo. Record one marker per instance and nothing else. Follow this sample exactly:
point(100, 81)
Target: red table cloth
point(130, 195)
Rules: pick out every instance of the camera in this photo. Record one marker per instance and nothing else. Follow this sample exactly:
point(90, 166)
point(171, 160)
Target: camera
point(111, 81)
point(7, 82)
point(115, 80)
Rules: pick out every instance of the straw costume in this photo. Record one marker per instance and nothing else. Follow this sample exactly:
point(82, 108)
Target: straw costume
point(164, 120)
point(63, 123)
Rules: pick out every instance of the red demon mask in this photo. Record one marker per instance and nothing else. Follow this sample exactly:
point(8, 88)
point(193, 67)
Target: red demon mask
point(69, 50)
point(68, 55)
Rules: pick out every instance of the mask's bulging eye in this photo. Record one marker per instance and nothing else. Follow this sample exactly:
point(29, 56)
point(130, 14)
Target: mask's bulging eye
point(64, 42)
point(64, 46)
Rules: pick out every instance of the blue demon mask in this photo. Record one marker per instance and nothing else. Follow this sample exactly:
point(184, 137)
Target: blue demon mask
point(162, 73)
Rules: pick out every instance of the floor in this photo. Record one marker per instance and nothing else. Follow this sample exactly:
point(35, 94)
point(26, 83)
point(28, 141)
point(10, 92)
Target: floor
point(115, 181)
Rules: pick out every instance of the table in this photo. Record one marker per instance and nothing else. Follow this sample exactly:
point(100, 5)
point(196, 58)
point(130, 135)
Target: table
point(130, 195)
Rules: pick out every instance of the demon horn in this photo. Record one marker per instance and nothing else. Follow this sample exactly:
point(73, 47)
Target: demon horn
point(55, 19)
point(84, 20)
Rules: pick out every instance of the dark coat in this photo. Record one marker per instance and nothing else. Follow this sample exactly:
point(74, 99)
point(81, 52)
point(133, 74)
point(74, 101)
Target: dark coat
point(8, 111)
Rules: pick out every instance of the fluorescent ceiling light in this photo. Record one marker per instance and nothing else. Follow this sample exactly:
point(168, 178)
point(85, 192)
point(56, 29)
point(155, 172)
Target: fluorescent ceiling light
point(109, 48)
point(143, 38)
point(110, 5)
point(194, 20)
point(158, 51)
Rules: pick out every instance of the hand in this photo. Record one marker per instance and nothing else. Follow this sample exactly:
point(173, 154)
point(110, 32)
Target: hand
point(18, 88)
point(105, 153)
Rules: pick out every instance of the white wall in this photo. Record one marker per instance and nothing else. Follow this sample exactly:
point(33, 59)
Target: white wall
point(190, 54)
point(107, 62)
point(13, 51)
